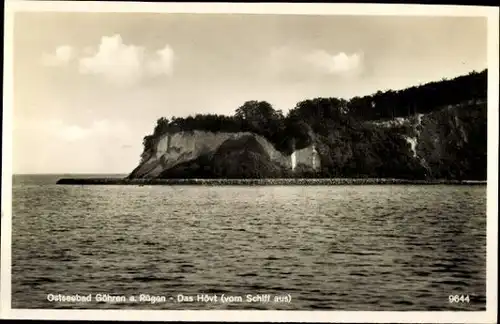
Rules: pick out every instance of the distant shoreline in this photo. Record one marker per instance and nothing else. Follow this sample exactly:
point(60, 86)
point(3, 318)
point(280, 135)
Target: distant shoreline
point(264, 182)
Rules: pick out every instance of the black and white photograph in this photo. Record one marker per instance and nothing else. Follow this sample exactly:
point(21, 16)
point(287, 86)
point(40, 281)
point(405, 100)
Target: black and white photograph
point(211, 158)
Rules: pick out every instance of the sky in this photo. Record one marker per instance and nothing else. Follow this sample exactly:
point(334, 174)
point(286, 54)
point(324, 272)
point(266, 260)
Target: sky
point(89, 86)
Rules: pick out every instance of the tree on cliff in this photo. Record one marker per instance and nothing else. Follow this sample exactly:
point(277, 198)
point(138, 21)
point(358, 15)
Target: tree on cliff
point(260, 117)
point(162, 125)
point(424, 98)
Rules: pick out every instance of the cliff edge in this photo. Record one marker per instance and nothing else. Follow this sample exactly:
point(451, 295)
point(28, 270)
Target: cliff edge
point(203, 154)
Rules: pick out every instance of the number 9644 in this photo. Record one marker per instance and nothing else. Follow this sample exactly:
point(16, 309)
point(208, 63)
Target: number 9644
point(459, 298)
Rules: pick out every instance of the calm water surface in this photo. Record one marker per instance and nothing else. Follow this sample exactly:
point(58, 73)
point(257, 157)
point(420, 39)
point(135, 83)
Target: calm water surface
point(327, 247)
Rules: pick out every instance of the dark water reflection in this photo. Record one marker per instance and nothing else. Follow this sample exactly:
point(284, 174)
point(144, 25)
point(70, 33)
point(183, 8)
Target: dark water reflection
point(339, 247)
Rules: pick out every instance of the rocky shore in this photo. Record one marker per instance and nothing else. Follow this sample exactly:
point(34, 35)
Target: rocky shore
point(264, 182)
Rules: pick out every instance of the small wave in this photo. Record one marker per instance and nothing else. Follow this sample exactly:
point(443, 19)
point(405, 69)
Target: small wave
point(68, 259)
point(463, 275)
point(44, 280)
point(453, 282)
point(214, 291)
point(257, 286)
point(448, 282)
point(316, 290)
point(445, 269)
point(150, 279)
point(249, 274)
point(60, 230)
point(459, 259)
point(31, 283)
point(354, 253)
point(358, 274)
point(403, 302)
point(421, 273)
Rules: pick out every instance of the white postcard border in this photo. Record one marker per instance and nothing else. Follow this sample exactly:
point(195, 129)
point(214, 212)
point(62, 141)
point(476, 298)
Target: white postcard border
point(488, 316)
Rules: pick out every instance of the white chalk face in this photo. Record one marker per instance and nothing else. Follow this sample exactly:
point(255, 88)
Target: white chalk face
point(293, 158)
point(314, 156)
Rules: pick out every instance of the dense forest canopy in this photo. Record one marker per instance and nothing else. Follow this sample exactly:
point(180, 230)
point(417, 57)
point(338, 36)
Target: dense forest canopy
point(319, 114)
point(348, 141)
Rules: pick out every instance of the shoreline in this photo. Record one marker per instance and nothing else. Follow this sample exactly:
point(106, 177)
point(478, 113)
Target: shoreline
point(265, 182)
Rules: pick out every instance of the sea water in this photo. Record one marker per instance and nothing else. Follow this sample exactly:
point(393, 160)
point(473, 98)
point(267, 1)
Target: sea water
point(374, 247)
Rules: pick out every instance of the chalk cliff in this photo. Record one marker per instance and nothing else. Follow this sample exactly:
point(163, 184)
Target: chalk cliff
point(217, 154)
point(433, 131)
point(446, 144)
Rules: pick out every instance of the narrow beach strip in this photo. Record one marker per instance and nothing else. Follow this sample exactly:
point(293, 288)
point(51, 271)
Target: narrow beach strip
point(264, 182)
